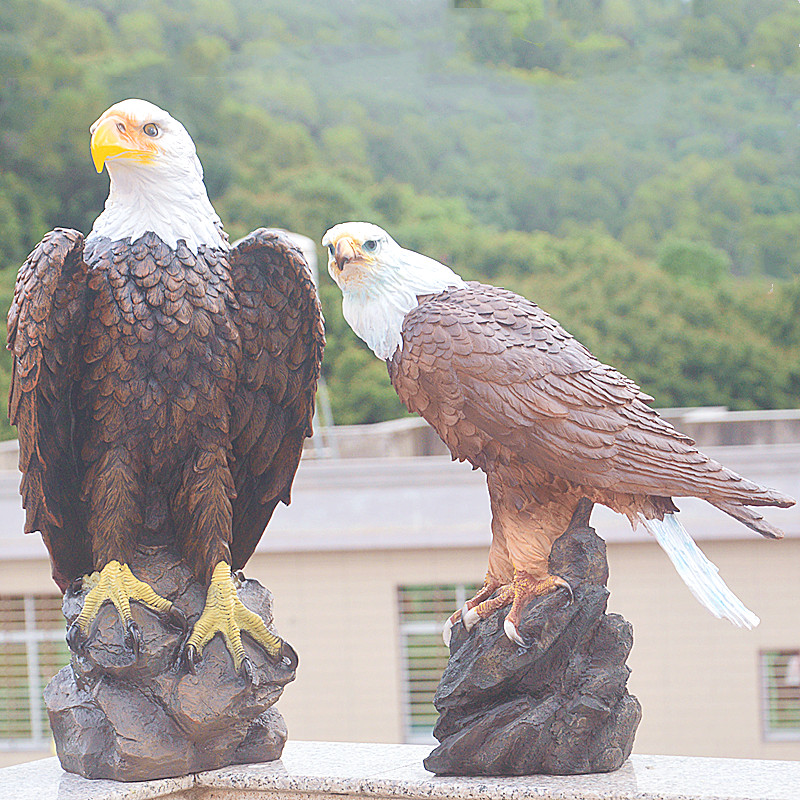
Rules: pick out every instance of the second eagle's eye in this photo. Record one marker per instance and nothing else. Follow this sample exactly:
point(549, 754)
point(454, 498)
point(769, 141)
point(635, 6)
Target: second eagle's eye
point(151, 129)
point(370, 246)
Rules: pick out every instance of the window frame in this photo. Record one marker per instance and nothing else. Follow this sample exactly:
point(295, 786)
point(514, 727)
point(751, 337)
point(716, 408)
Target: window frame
point(769, 702)
point(32, 634)
point(428, 625)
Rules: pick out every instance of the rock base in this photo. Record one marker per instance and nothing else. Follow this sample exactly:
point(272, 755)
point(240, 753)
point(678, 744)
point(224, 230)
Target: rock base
point(118, 717)
point(559, 706)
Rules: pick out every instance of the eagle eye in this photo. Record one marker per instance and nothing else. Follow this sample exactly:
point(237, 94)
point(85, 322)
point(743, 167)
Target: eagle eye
point(370, 246)
point(151, 129)
point(331, 248)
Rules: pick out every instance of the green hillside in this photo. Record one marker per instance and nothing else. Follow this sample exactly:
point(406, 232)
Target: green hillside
point(631, 165)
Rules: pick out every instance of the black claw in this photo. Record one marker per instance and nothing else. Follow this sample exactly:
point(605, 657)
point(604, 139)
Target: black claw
point(133, 638)
point(571, 593)
point(179, 619)
point(239, 575)
point(75, 639)
point(288, 656)
point(76, 586)
point(190, 658)
point(246, 670)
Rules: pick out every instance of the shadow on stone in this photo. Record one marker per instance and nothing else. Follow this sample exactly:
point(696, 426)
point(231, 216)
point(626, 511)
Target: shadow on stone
point(118, 717)
point(559, 706)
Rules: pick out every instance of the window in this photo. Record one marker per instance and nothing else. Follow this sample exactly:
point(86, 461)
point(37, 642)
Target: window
point(423, 610)
point(32, 650)
point(780, 682)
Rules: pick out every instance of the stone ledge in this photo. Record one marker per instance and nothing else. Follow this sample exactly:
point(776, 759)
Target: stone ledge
point(322, 770)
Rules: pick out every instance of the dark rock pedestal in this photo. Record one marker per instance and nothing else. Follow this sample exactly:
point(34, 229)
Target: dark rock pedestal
point(130, 719)
point(559, 706)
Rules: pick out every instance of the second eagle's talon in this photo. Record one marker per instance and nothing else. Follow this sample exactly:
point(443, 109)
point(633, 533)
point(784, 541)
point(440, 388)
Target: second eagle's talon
point(511, 632)
point(469, 618)
point(450, 623)
point(447, 631)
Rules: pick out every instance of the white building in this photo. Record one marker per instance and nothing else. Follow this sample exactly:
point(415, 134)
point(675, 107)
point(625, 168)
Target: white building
point(375, 552)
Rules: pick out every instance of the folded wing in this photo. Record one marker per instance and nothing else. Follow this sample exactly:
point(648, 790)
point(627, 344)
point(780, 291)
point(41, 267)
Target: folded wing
point(280, 323)
point(45, 324)
point(486, 360)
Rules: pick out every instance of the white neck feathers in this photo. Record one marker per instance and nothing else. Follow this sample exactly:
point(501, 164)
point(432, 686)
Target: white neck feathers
point(169, 199)
point(376, 309)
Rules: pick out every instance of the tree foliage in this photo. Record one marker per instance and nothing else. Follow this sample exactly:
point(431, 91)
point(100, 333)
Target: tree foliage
point(633, 166)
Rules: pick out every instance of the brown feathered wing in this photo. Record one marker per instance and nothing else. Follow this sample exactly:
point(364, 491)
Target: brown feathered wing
point(280, 323)
point(45, 324)
point(490, 370)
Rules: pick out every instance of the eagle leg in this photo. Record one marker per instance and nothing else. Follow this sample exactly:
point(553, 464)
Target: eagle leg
point(115, 583)
point(224, 613)
point(529, 519)
point(504, 597)
point(498, 574)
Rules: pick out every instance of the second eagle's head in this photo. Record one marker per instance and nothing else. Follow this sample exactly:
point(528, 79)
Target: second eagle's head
point(380, 281)
point(359, 253)
point(363, 257)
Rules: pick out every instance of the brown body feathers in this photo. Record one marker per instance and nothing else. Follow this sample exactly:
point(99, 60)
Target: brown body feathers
point(510, 391)
point(160, 395)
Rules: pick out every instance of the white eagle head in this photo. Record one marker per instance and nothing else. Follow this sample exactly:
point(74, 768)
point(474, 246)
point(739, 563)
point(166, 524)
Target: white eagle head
point(380, 281)
point(156, 178)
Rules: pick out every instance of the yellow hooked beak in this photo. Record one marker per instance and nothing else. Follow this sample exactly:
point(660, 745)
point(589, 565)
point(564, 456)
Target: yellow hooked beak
point(114, 137)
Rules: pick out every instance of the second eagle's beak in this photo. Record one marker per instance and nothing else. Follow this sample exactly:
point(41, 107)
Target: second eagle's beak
point(346, 250)
point(110, 139)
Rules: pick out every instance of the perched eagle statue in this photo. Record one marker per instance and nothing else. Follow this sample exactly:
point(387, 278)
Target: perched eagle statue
point(510, 391)
point(163, 384)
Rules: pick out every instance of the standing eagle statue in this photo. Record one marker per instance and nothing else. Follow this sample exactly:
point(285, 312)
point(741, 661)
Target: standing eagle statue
point(163, 385)
point(511, 392)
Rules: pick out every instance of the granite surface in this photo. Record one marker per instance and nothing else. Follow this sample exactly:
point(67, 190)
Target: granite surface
point(45, 780)
point(320, 769)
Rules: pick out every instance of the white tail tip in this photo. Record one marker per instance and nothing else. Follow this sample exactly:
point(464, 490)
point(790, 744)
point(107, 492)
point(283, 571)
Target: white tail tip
point(698, 573)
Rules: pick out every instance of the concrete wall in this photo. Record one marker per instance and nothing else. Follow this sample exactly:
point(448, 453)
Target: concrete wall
point(697, 677)
point(713, 426)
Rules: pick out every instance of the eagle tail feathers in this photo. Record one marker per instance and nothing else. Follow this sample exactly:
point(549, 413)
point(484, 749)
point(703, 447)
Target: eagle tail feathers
point(699, 574)
point(752, 518)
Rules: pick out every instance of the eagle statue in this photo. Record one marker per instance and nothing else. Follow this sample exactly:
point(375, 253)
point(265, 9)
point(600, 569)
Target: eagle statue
point(512, 393)
point(163, 385)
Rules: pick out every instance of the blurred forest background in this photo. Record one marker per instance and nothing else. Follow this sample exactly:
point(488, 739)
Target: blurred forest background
point(633, 166)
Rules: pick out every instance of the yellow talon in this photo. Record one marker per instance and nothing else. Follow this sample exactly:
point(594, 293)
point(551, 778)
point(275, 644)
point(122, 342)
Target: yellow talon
point(225, 613)
point(117, 584)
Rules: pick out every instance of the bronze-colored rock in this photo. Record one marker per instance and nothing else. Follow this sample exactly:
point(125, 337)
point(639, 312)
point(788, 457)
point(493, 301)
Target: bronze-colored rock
point(558, 705)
